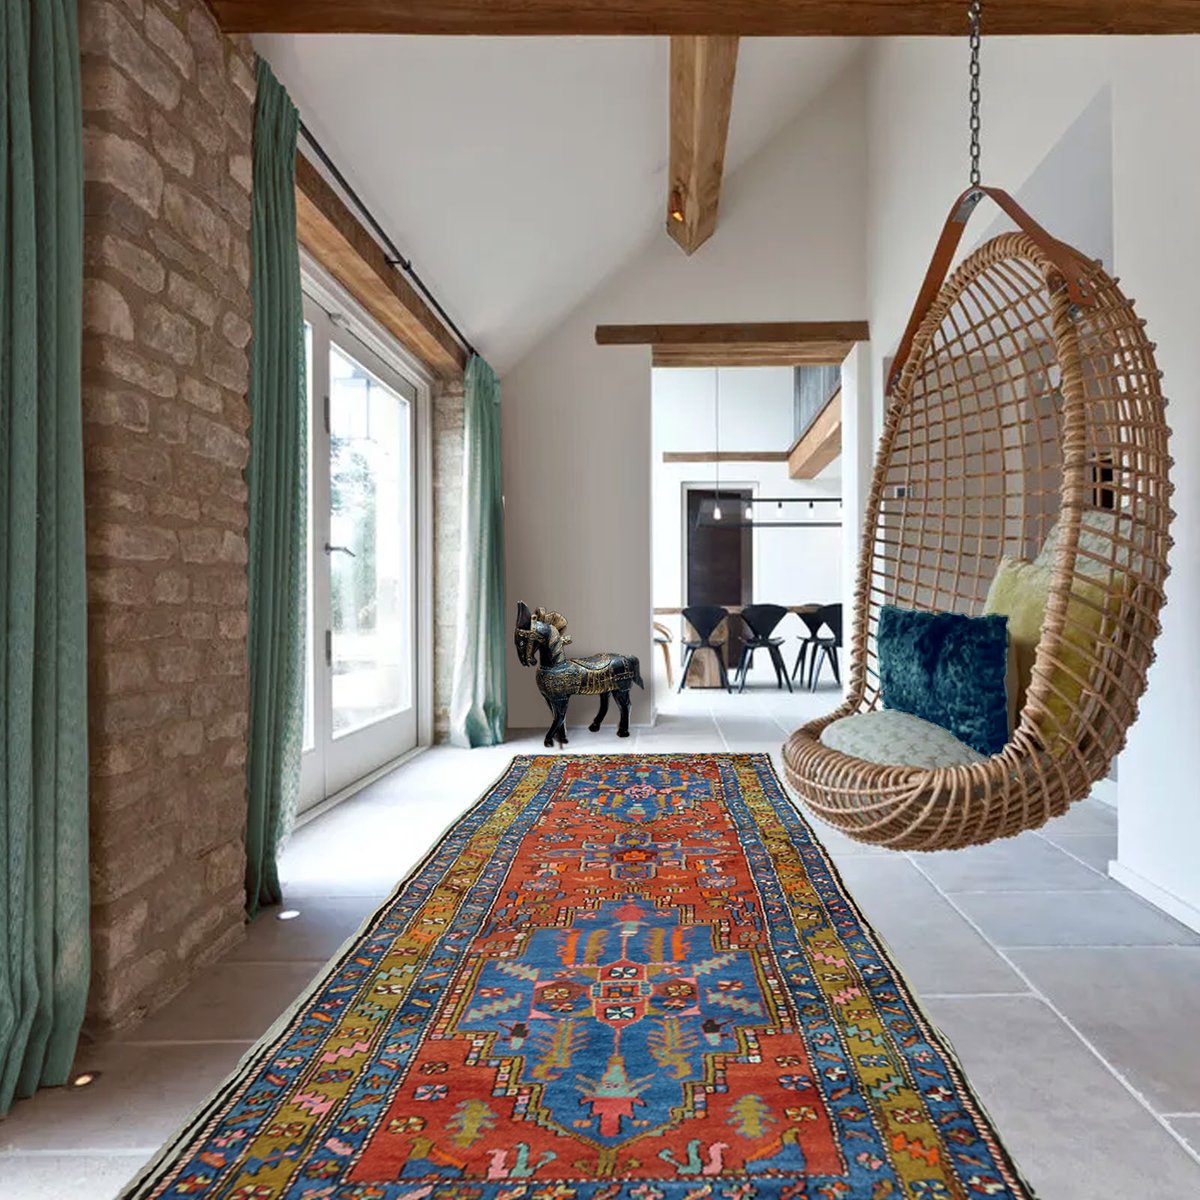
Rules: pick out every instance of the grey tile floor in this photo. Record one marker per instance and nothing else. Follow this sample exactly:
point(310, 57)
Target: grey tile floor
point(1072, 1004)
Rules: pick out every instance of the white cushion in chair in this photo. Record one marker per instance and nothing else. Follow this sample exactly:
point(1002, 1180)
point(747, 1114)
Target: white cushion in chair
point(1102, 538)
point(894, 738)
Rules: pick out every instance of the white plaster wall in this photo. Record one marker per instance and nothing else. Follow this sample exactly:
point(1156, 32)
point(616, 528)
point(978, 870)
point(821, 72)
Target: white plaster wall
point(1157, 253)
point(757, 406)
point(856, 466)
point(791, 566)
point(577, 429)
point(1035, 93)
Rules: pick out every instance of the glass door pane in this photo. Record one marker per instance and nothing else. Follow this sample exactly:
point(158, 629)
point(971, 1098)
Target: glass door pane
point(310, 718)
point(370, 550)
point(368, 554)
point(360, 684)
point(312, 762)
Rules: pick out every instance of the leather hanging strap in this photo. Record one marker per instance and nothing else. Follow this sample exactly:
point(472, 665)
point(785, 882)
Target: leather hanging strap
point(1068, 262)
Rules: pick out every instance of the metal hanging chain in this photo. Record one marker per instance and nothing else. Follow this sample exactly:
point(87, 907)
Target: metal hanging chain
point(717, 437)
point(973, 15)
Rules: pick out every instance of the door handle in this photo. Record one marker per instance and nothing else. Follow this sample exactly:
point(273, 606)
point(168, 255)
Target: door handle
point(339, 550)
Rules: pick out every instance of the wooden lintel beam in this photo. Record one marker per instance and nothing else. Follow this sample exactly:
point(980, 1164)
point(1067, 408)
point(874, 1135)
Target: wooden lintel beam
point(743, 333)
point(702, 74)
point(342, 245)
point(706, 18)
point(724, 456)
point(820, 443)
point(767, 354)
point(748, 344)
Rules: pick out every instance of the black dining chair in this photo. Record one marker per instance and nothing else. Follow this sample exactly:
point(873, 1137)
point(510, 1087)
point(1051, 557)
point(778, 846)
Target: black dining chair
point(812, 623)
point(827, 647)
point(761, 620)
point(705, 620)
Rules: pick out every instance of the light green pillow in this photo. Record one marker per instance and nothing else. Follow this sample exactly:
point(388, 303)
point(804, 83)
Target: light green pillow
point(1020, 591)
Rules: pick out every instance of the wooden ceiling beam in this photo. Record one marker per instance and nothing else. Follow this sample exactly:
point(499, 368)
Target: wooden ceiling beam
point(725, 456)
point(706, 18)
point(820, 443)
point(702, 74)
point(733, 334)
point(799, 354)
point(762, 344)
point(335, 237)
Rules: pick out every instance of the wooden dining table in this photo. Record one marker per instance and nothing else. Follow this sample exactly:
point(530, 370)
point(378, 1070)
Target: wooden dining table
point(703, 672)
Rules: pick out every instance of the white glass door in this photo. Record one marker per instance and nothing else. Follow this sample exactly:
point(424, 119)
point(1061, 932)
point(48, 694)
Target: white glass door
point(362, 676)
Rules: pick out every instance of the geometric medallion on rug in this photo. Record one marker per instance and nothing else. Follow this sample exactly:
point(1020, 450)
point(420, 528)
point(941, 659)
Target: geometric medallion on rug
point(618, 977)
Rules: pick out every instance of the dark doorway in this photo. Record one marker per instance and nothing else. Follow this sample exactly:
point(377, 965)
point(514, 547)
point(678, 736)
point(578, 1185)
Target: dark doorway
point(720, 559)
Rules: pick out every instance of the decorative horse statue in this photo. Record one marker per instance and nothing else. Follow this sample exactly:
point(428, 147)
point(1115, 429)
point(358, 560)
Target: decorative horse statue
point(540, 638)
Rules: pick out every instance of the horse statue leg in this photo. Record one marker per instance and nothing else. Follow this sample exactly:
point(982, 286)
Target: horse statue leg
point(595, 725)
point(548, 740)
point(622, 699)
point(559, 728)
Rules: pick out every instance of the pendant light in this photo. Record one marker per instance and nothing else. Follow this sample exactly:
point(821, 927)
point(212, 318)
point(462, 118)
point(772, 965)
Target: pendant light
point(717, 441)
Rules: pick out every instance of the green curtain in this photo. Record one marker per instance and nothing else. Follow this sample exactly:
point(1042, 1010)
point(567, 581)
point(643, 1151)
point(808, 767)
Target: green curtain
point(479, 703)
point(277, 481)
point(44, 958)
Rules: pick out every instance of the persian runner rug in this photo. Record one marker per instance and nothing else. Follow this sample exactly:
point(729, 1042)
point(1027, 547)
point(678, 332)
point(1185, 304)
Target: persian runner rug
point(620, 977)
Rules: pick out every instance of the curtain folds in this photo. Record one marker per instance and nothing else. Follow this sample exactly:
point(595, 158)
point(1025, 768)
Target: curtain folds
point(478, 704)
point(44, 956)
point(277, 482)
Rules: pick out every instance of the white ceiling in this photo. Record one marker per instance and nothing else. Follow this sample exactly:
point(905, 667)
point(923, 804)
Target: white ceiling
point(518, 173)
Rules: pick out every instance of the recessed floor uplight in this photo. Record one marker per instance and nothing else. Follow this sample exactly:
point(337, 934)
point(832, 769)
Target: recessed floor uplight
point(84, 1078)
point(288, 914)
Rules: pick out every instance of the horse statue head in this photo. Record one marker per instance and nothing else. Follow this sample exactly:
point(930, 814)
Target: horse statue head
point(539, 635)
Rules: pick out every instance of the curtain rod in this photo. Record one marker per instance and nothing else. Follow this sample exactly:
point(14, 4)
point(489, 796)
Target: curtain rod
point(395, 259)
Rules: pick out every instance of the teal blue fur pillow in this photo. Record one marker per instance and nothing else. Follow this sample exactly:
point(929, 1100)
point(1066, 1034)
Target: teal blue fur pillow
point(948, 669)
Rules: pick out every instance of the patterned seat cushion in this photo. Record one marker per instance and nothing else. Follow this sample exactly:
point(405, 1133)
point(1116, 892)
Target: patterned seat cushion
point(896, 738)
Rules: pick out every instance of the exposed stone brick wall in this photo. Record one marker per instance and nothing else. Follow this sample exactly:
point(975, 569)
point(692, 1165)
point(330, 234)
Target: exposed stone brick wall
point(447, 534)
point(168, 110)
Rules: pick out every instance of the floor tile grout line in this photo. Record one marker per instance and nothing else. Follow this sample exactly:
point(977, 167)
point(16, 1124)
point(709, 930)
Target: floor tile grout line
point(159, 1043)
point(296, 901)
point(1059, 946)
point(281, 962)
point(1063, 850)
point(720, 729)
point(787, 733)
point(840, 854)
point(84, 1152)
point(977, 996)
point(1012, 891)
point(1071, 833)
point(1041, 996)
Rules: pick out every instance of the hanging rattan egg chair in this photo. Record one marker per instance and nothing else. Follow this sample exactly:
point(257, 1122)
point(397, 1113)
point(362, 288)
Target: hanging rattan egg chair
point(1025, 418)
